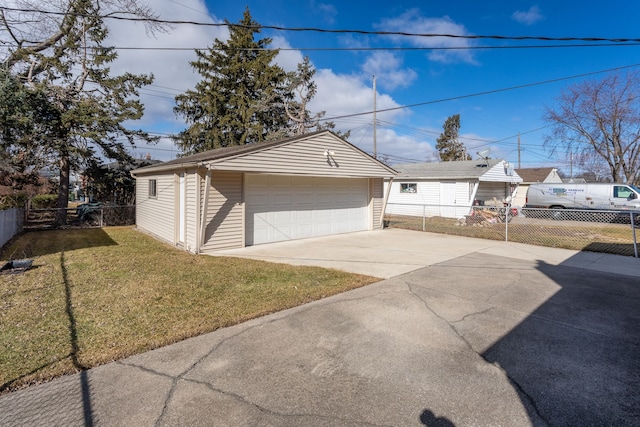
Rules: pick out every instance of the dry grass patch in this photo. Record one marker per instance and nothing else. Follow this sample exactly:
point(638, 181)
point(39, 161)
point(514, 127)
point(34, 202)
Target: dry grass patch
point(97, 295)
point(590, 236)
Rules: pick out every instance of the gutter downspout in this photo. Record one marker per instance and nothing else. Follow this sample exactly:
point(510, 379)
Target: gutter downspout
point(384, 204)
point(476, 185)
point(205, 208)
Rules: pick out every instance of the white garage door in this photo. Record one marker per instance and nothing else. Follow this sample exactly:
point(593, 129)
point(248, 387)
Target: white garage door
point(287, 207)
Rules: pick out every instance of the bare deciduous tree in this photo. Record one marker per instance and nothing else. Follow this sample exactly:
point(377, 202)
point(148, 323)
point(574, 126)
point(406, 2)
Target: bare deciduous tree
point(598, 123)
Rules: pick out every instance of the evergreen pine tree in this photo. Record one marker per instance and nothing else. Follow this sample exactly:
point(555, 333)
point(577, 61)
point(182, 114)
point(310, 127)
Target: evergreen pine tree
point(448, 145)
point(241, 97)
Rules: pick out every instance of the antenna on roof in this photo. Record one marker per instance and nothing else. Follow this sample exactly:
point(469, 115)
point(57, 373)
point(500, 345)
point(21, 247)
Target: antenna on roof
point(484, 155)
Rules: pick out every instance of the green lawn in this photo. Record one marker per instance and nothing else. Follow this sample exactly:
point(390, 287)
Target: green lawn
point(98, 295)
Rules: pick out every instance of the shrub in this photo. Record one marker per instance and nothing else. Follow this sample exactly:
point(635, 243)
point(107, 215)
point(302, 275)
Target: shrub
point(16, 200)
point(44, 201)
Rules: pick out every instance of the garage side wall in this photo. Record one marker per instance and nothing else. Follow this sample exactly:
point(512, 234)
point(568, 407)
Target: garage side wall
point(376, 190)
point(192, 209)
point(156, 215)
point(224, 224)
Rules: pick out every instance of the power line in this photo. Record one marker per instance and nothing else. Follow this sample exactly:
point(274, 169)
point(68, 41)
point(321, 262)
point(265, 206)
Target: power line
point(332, 31)
point(488, 92)
point(365, 49)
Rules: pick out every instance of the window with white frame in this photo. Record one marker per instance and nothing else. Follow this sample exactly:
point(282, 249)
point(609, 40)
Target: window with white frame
point(411, 187)
point(153, 188)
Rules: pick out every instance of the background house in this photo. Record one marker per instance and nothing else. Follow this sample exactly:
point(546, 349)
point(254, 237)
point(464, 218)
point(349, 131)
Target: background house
point(312, 185)
point(531, 176)
point(449, 189)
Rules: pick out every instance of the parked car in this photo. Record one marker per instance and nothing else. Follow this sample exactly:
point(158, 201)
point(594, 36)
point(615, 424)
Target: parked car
point(85, 211)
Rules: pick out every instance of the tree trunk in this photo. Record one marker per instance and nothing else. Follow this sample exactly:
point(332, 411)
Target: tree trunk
point(63, 191)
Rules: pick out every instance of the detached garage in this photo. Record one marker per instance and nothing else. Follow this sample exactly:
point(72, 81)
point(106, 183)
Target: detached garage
point(312, 185)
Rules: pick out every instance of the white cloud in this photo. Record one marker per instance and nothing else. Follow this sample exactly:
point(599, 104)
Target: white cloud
point(171, 69)
point(338, 94)
point(343, 95)
point(287, 59)
point(387, 68)
point(528, 17)
point(413, 22)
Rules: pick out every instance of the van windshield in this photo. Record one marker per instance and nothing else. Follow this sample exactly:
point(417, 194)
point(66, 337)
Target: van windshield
point(636, 188)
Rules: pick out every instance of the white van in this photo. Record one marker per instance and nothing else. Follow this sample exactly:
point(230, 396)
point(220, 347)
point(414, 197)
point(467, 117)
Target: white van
point(602, 196)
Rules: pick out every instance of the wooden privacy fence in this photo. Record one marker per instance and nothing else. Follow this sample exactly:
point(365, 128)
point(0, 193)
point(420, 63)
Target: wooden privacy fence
point(11, 221)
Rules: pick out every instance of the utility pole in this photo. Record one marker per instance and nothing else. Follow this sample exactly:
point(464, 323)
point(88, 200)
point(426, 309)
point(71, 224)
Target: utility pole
point(571, 165)
point(375, 148)
point(518, 150)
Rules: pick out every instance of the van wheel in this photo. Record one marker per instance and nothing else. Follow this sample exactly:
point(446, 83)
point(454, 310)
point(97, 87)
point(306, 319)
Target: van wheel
point(557, 213)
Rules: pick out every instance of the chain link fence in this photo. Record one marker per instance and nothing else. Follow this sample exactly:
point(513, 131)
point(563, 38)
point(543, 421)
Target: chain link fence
point(613, 232)
point(84, 215)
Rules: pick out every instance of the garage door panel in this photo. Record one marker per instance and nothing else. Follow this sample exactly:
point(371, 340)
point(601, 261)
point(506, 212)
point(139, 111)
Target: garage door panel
point(282, 208)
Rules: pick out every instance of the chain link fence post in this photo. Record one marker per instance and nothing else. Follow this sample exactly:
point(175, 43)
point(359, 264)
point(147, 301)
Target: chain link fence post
point(633, 232)
point(506, 221)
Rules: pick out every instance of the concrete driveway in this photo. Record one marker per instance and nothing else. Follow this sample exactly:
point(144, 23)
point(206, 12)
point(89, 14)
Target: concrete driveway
point(391, 252)
point(477, 333)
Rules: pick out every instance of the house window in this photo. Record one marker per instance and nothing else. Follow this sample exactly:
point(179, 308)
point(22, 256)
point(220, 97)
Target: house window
point(409, 188)
point(153, 189)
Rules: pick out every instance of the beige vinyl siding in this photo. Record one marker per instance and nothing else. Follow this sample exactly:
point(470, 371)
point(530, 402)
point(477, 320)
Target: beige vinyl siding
point(156, 215)
point(192, 209)
point(376, 191)
point(307, 157)
point(225, 212)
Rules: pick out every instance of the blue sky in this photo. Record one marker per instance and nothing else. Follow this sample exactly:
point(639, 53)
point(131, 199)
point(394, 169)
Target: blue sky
point(403, 77)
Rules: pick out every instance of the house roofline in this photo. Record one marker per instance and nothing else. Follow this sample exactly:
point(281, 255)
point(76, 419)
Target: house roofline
point(219, 155)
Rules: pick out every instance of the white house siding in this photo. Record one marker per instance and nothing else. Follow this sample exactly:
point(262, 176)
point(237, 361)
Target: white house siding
point(376, 192)
point(495, 174)
point(157, 215)
point(426, 201)
point(488, 190)
point(463, 198)
point(306, 157)
point(225, 212)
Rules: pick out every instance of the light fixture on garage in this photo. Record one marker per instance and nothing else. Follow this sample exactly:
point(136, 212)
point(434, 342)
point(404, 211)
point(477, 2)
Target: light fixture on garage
point(329, 153)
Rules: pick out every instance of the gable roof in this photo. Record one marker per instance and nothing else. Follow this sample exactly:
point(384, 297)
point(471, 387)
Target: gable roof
point(465, 169)
point(219, 156)
point(534, 174)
